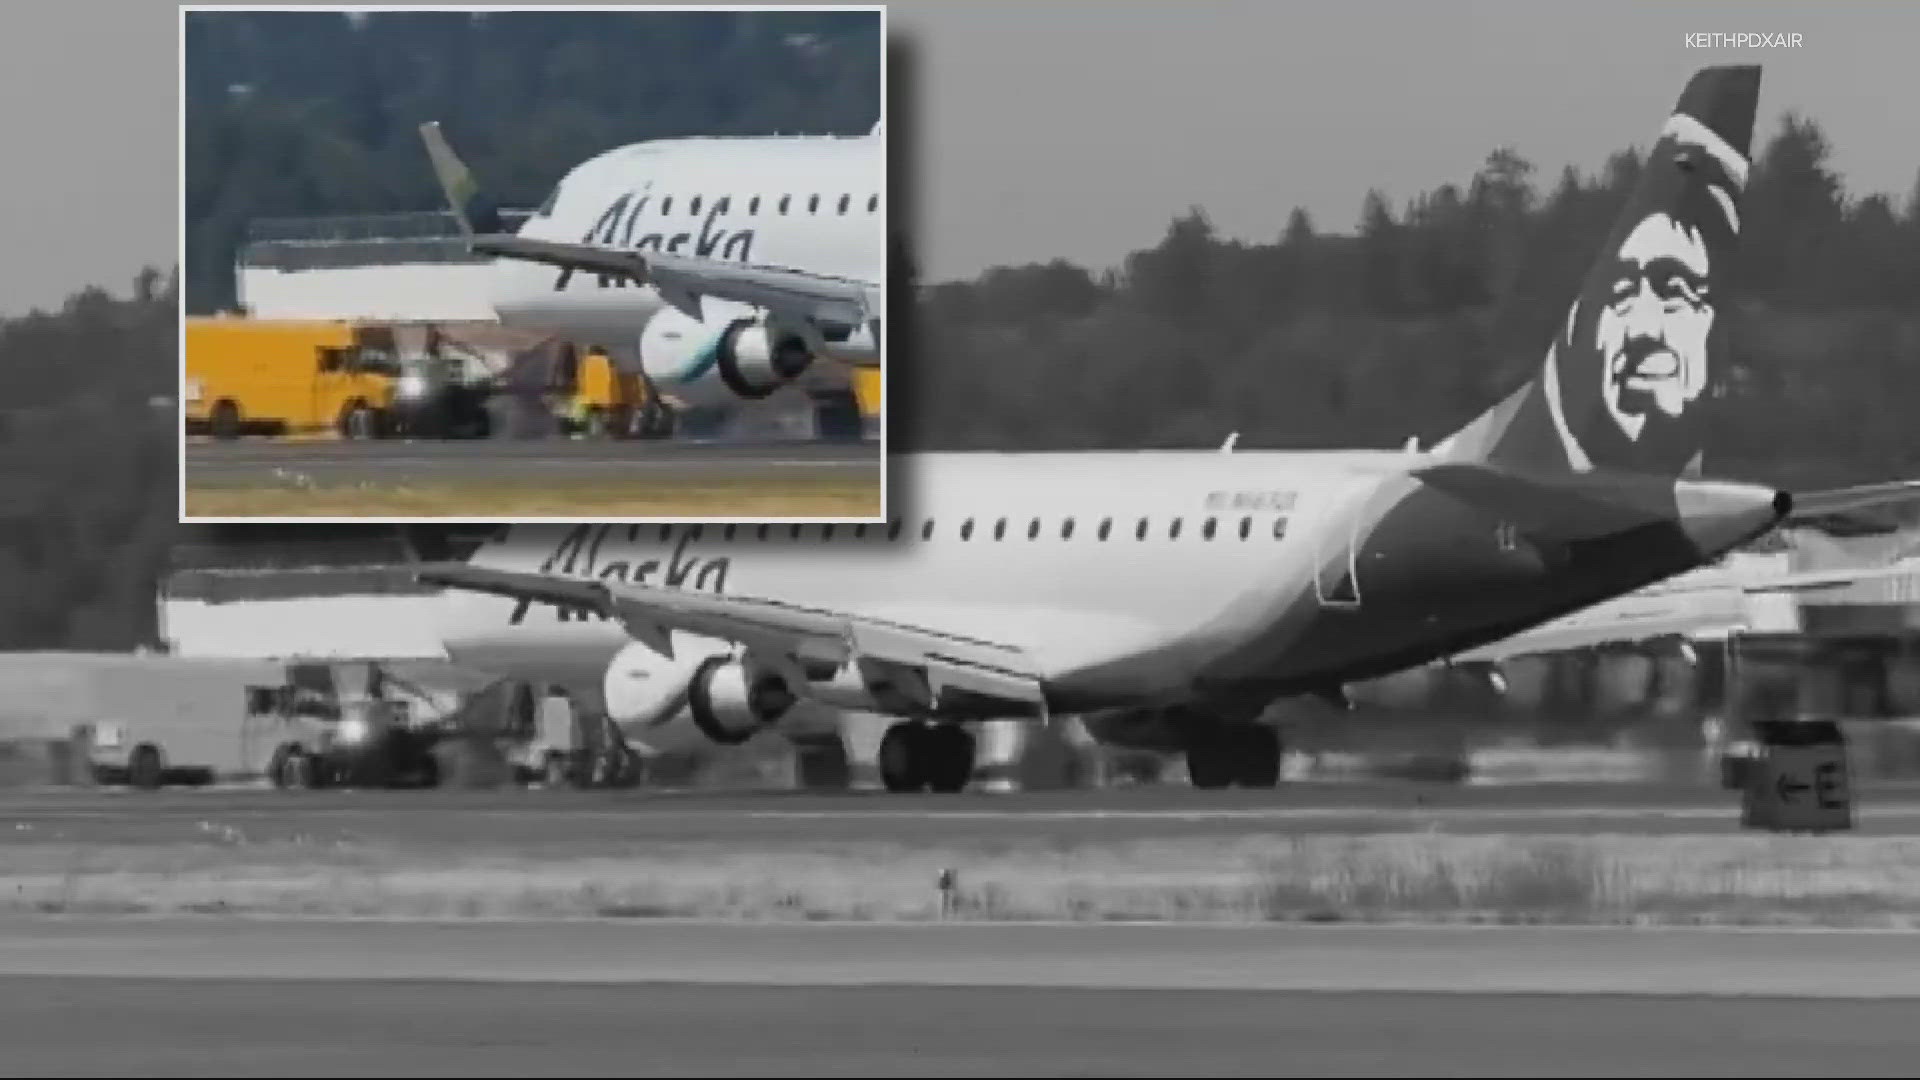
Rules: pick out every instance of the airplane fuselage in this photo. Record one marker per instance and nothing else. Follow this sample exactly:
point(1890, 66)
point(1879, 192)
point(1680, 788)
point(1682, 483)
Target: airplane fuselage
point(811, 202)
point(1128, 578)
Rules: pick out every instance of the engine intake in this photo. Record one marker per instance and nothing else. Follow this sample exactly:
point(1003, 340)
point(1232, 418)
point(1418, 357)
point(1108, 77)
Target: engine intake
point(728, 706)
point(754, 363)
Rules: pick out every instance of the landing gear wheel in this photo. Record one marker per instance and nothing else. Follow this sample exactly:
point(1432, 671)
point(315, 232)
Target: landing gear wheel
point(1242, 756)
point(1257, 756)
point(917, 756)
point(1210, 763)
point(903, 756)
point(950, 750)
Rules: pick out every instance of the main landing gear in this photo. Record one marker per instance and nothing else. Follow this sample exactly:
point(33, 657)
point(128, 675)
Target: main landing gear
point(1244, 754)
point(917, 756)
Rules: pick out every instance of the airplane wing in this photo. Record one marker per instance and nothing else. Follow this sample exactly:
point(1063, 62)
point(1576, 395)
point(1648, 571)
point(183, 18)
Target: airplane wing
point(682, 280)
point(784, 633)
point(802, 299)
point(1719, 605)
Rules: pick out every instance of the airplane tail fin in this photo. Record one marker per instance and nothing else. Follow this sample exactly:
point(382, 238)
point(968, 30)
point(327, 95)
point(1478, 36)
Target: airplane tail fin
point(1624, 386)
point(477, 214)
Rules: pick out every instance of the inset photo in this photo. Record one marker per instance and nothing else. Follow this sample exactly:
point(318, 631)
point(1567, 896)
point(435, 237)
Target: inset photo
point(495, 265)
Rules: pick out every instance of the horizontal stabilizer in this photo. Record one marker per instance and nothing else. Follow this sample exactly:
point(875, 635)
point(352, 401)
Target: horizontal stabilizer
point(1868, 508)
point(1562, 507)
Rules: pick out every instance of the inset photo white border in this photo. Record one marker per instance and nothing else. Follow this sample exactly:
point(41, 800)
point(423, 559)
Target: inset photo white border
point(746, 281)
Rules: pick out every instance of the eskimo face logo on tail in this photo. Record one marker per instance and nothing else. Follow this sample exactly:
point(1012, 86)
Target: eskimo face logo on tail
point(1626, 379)
point(1653, 330)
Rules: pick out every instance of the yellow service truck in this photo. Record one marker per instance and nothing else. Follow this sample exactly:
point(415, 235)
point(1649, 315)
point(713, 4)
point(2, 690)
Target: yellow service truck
point(593, 397)
point(274, 376)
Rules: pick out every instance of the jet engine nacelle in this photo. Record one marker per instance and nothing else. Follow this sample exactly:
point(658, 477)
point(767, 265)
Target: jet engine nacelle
point(727, 701)
point(730, 702)
point(737, 359)
point(643, 688)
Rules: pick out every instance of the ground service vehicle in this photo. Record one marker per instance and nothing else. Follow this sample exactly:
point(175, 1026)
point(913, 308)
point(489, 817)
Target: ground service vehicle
point(595, 398)
point(332, 724)
point(273, 376)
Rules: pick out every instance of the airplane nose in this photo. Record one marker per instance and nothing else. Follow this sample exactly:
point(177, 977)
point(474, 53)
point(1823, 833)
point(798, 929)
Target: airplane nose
point(1718, 516)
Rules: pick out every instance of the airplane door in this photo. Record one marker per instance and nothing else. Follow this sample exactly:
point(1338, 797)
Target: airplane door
point(1336, 580)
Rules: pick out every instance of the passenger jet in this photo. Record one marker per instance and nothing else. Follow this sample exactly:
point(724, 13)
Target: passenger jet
point(721, 267)
point(1199, 585)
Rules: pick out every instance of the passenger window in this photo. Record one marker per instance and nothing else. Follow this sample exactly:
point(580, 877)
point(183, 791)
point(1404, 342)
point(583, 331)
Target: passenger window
point(926, 530)
point(873, 204)
point(784, 200)
point(666, 533)
point(966, 529)
point(753, 205)
point(695, 208)
point(813, 204)
point(1033, 529)
point(1279, 528)
point(826, 533)
point(893, 529)
point(763, 531)
point(666, 206)
point(1066, 529)
point(694, 533)
point(727, 533)
point(1246, 527)
point(1000, 529)
point(859, 532)
point(1206, 531)
point(844, 200)
point(725, 206)
point(795, 533)
point(1140, 530)
point(1173, 531)
point(1106, 526)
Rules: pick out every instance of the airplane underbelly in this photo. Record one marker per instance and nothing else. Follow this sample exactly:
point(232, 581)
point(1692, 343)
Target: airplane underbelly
point(525, 297)
point(478, 633)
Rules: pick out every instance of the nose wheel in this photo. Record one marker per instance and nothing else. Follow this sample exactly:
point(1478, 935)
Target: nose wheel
point(919, 756)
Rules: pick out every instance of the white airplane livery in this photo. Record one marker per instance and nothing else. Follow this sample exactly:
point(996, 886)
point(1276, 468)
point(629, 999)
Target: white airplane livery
point(1192, 587)
point(724, 268)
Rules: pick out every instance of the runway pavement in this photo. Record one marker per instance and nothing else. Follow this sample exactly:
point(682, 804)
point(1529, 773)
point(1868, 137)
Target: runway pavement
point(518, 816)
point(252, 463)
point(201, 998)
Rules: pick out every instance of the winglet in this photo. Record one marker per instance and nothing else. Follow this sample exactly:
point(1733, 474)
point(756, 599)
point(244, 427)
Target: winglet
point(473, 210)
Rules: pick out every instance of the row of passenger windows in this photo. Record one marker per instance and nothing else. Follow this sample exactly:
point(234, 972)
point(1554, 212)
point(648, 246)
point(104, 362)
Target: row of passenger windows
point(970, 529)
point(786, 203)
